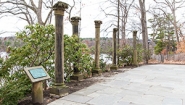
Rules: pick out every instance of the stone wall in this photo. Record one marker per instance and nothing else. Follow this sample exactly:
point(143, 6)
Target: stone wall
point(171, 57)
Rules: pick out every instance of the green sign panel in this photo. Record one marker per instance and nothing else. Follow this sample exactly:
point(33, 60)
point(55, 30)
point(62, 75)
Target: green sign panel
point(37, 73)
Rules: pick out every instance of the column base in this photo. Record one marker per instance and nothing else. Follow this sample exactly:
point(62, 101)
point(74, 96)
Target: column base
point(76, 77)
point(96, 71)
point(87, 75)
point(60, 90)
point(114, 67)
point(107, 68)
point(135, 65)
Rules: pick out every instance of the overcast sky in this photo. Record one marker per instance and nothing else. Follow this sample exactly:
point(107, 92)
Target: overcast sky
point(90, 12)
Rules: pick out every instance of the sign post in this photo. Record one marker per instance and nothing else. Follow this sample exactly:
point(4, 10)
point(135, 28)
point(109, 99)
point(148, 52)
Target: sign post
point(37, 75)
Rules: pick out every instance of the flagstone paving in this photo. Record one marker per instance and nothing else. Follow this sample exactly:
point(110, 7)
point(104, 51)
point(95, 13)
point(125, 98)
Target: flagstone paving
point(146, 85)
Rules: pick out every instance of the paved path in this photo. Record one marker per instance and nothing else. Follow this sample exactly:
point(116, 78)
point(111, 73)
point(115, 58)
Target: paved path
point(145, 85)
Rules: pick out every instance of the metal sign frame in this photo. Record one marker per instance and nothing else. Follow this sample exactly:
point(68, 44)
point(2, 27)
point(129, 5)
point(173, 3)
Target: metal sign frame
point(36, 74)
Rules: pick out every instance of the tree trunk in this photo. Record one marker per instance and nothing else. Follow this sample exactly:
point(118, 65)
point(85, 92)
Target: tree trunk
point(175, 25)
point(123, 32)
point(39, 13)
point(118, 31)
point(144, 30)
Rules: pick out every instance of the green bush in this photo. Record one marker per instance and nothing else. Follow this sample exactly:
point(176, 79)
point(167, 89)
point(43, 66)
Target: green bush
point(159, 47)
point(126, 54)
point(14, 90)
point(102, 65)
point(78, 54)
point(38, 49)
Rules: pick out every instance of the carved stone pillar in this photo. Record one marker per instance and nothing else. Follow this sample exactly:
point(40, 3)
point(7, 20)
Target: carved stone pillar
point(114, 64)
point(74, 21)
point(135, 63)
point(59, 88)
point(77, 75)
point(97, 69)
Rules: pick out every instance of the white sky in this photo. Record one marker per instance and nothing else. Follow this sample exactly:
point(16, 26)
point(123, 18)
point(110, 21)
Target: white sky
point(90, 12)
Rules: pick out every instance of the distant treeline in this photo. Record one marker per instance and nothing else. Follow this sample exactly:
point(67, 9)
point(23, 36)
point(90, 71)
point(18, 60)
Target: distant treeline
point(105, 43)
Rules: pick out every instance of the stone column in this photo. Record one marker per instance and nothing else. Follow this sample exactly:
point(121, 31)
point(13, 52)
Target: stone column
point(114, 65)
point(77, 76)
point(74, 21)
point(135, 63)
point(97, 69)
point(59, 87)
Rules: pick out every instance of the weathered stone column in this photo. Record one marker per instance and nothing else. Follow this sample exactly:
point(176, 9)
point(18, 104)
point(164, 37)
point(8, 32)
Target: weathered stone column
point(97, 69)
point(114, 64)
point(74, 21)
point(135, 63)
point(76, 74)
point(59, 87)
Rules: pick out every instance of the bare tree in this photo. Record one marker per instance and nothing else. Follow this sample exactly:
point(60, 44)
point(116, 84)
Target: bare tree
point(70, 10)
point(118, 27)
point(173, 5)
point(144, 29)
point(28, 10)
point(121, 15)
point(110, 11)
point(125, 7)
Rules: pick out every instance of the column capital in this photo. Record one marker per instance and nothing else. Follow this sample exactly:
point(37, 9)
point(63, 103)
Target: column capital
point(97, 23)
point(75, 20)
point(115, 29)
point(60, 7)
point(134, 33)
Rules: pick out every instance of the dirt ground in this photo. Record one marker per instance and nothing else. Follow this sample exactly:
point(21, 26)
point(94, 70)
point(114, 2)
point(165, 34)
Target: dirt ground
point(74, 86)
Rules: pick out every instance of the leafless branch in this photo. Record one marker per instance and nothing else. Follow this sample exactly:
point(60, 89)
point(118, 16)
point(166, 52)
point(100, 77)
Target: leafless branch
point(71, 10)
point(30, 11)
point(164, 12)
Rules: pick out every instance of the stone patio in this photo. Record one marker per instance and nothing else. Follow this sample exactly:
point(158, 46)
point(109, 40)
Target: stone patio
point(145, 85)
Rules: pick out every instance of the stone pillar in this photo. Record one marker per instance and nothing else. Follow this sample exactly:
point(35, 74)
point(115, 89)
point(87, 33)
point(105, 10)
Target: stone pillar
point(114, 65)
point(77, 76)
point(37, 93)
point(135, 63)
point(59, 87)
point(97, 69)
point(74, 21)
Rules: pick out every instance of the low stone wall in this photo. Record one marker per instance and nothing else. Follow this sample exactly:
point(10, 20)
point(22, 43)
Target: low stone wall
point(170, 57)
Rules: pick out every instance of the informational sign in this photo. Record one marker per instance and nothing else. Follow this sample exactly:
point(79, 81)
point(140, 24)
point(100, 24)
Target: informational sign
point(36, 74)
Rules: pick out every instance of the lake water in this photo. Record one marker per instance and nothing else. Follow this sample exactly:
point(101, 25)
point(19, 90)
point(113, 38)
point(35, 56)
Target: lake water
point(3, 55)
point(105, 57)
